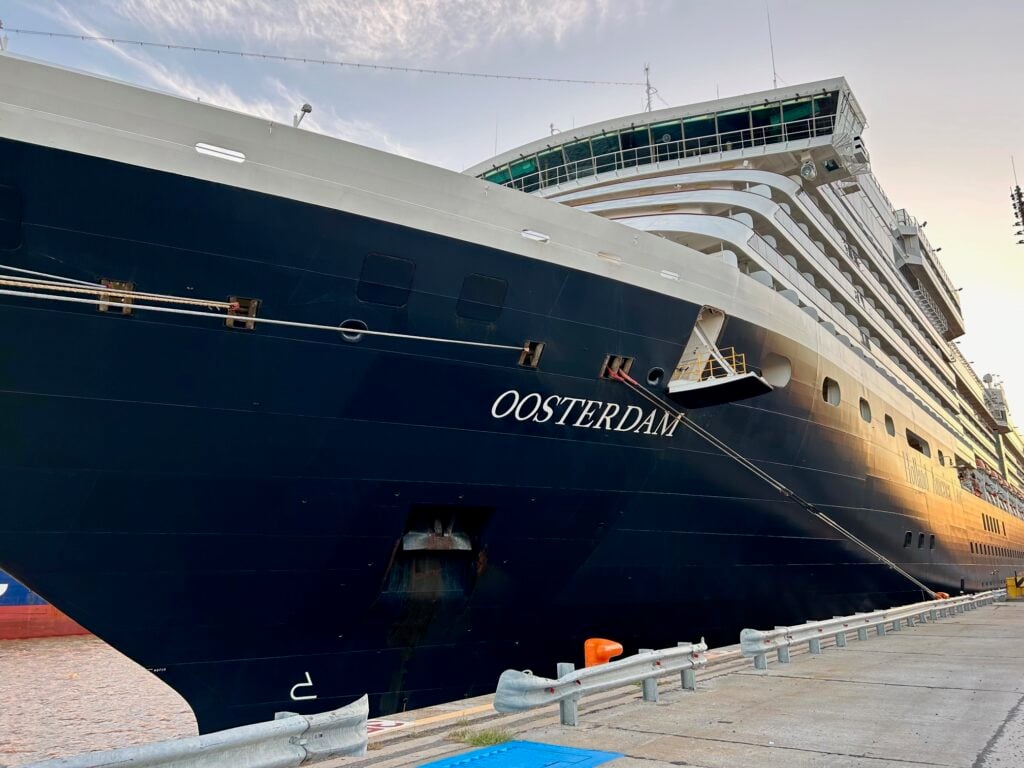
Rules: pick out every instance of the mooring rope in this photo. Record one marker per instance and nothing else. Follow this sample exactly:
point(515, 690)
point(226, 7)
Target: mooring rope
point(262, 320)
point(782, 489)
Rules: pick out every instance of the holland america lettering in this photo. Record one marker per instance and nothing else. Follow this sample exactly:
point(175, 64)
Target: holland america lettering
point(584, 414)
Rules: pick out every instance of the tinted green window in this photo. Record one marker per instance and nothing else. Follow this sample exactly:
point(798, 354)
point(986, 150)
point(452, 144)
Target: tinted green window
point(499, 176)
point(766, 123)
point(796, 114)
point(824, 111)
point(605, 149)
point(576, 154)
point(666, 138)
point(735, 128)
point(700, 134)
point(524, 167)
point(551, 164)
point(635, 146)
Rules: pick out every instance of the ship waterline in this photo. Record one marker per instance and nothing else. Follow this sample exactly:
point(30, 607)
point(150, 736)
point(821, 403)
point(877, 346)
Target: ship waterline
point(297, 516)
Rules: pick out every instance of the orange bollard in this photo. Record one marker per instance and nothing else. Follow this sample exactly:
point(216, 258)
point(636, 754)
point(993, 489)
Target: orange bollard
point(597, 650)
point(941, 596)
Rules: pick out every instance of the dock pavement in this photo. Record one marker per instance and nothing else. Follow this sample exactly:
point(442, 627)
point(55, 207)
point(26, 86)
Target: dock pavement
point(943, 693)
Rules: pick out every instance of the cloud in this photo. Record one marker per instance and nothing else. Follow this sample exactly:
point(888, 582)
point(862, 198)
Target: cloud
point(277, 102)
point(372, 30)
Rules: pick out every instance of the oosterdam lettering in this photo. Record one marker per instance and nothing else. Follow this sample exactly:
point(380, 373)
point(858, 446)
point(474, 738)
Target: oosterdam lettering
point(584, 414)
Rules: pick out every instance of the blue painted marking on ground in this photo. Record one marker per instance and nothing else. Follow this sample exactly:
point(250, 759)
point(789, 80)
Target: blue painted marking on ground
point(526, 754)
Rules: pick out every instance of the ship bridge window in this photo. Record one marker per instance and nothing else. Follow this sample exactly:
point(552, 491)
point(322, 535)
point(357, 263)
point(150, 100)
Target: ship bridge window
point(766, 122)
point(604, 149)
point(636, 147)
point(830, 391)
point(700, 134)
point(865, 410)
point(551, 165)
point(890, 425)
point(498, 175)
point(734, 128)
point(918, 443)
point(577, 160)
point(796, 113)
point(666, 138)
point(920, 540)
point(907, 538)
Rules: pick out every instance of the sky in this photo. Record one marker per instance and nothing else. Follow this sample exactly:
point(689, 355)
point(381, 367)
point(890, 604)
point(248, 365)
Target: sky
point(936, 78)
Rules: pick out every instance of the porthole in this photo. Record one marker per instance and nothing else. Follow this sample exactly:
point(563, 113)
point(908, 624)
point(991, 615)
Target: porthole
point(776, 370)
point(350, 330)
point(890, 425)
point(918, 443)
point(655, 375)
point(865, 410)
point(830, 391)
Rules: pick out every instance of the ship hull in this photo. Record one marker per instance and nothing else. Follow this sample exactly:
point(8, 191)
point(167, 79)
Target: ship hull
point(247, 492)
point(297, 516)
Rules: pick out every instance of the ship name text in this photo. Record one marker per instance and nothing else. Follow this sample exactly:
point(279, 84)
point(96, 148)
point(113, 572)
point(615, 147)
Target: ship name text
point(584, 414)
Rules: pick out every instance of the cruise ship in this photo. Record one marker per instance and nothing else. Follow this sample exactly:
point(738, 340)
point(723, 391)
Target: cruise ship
point(288, 420)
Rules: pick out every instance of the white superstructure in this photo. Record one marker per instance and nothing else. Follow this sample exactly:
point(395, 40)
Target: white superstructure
point(778, 185)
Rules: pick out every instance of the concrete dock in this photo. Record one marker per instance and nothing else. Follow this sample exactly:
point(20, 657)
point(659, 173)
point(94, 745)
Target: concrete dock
point(944, 693)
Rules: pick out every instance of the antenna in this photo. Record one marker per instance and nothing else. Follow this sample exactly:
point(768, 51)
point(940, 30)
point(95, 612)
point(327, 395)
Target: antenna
point(649, 89)
point(771, 47)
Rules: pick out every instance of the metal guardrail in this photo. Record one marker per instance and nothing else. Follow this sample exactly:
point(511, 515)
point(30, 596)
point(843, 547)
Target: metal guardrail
point(519, 691)
point(290, 740)
point(758, 643)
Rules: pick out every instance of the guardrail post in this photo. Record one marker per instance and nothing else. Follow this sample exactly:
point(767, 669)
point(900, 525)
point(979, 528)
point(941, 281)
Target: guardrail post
point(910, 621)
point(880, 629)
point(933, 614)
point(862, 633)
point(649, 684)
point(896, 625)
point(688, 677)
point(840, 635)
point(814, 645)
point(783, 654)
point(761, 661)
point(567, 709)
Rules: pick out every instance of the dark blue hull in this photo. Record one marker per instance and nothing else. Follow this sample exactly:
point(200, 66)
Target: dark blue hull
point(228, 506)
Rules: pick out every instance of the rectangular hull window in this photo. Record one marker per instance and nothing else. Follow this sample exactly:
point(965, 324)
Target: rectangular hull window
point(385, 280)
point(482, 298)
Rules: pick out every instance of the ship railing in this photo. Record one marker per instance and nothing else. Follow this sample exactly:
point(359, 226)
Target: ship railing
point(728, 362)
point(289, 740)
point(759, 643)
point(520, 691)
point(661, 151)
